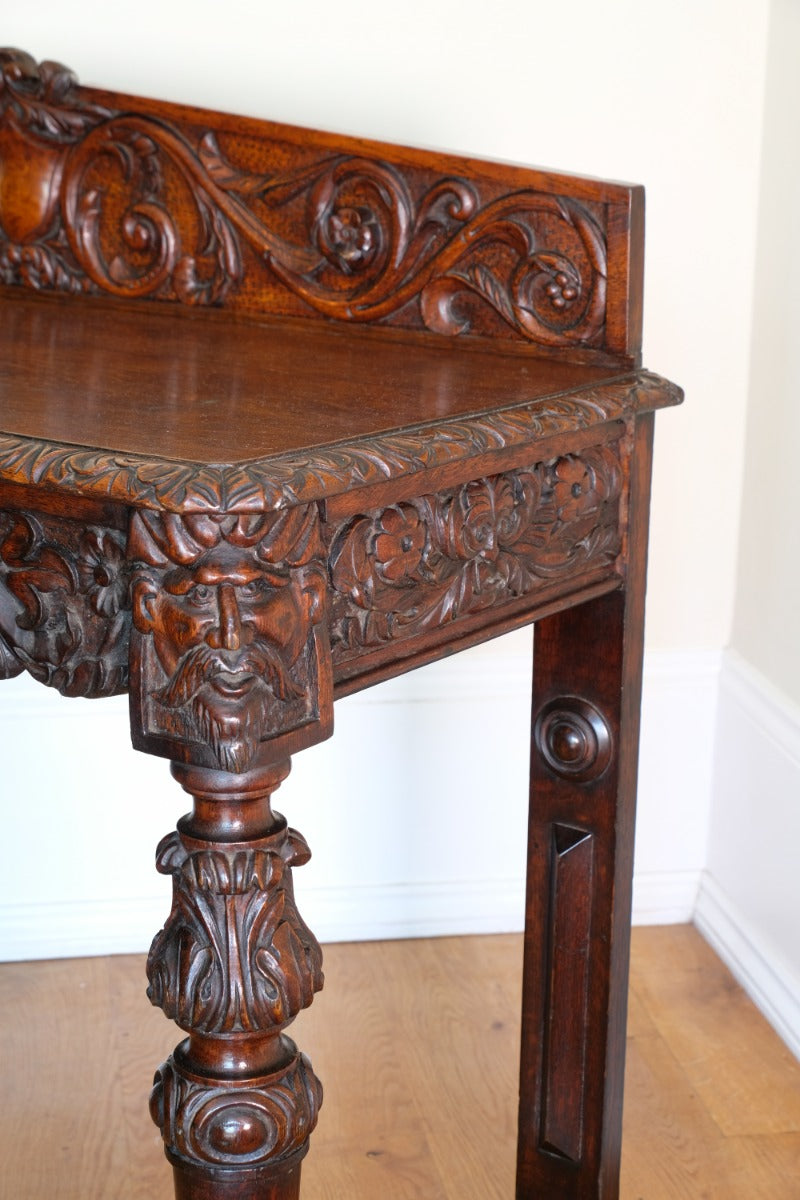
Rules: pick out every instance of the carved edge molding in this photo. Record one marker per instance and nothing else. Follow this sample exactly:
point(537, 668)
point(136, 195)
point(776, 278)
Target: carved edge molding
point(295, 478)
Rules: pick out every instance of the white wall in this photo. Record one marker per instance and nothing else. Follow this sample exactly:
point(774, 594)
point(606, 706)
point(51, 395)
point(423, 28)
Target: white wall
point(768, 579)
point(392, 854)
point(668, 95)
point(751, 893)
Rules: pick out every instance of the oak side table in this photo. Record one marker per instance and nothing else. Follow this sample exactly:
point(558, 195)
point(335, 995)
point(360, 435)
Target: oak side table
point(284, 414)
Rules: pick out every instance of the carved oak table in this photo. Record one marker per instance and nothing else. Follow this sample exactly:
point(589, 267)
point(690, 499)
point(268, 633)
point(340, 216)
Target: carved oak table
point(285, 414)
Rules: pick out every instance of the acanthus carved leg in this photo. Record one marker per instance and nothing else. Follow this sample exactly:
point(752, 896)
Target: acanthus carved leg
point(233, 966)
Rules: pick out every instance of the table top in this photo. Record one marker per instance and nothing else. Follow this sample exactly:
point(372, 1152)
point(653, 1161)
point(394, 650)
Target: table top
point(146, 385)
point(208, 387)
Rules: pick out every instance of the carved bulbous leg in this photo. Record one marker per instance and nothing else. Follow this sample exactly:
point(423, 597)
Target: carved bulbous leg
point(233, 966)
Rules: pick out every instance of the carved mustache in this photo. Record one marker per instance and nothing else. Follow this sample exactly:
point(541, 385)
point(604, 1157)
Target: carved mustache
point(202, 664)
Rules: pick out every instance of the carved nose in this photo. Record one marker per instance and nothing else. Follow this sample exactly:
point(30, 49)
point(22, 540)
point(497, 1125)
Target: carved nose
point(228, 634)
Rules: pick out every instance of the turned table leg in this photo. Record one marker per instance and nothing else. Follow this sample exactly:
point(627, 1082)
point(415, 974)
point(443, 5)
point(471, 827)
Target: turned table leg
point(586, 696)
point(234, 964)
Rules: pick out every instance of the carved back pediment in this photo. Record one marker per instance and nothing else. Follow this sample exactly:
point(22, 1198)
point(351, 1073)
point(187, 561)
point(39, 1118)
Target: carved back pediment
point(141, 200)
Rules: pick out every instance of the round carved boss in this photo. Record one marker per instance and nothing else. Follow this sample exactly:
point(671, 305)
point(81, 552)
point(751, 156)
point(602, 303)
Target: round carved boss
point(573, 738)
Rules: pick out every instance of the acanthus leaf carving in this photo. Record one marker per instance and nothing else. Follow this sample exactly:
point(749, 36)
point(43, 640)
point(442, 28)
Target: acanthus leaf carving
point(235, 955)
point(42, 119)
point(10, 666)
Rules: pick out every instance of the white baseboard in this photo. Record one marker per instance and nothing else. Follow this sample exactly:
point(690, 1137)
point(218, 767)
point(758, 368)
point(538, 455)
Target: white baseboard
point(336, 914)
point(80, 929)
point(665, 897)
point(770, 982)
point(749, 894)
point(774, 714)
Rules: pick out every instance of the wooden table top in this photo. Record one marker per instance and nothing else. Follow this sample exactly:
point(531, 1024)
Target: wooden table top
point(207, 387)
point(182, 409)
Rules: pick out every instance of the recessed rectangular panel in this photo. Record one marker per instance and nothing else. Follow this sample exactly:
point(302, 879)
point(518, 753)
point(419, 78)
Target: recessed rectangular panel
point(563, 1083)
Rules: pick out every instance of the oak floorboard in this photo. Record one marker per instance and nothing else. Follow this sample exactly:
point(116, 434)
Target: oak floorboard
point(370, 1140)
point(460, 1026)
point(416, 1043)
point(712, 1028)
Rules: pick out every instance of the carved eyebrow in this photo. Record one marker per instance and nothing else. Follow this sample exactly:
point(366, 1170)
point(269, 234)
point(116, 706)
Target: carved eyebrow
point(178, 581)
point(181, 580)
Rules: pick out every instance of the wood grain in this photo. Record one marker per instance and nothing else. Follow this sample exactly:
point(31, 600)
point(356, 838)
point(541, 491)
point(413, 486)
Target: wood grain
point(405, 1116)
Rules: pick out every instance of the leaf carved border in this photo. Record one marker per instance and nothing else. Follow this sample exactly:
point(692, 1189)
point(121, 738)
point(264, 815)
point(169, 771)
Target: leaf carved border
point(96, 199)
point(299, 478)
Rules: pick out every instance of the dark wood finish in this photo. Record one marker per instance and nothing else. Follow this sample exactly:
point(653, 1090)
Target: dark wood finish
point(233, 966)
point(285, 413)
point(579, 877)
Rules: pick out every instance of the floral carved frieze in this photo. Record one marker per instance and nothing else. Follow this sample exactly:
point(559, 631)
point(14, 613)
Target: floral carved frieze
point(410, 568)
point(64, 608)
point(130, 204)
point(229, 643)
point(235, 955)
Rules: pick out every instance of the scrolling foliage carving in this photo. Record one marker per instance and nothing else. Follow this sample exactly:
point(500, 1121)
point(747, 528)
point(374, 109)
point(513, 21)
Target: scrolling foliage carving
point(64, 611)
point(235, 955)
point(130, 204)
point(410, 568)
point(229, 646)
point(41, 123)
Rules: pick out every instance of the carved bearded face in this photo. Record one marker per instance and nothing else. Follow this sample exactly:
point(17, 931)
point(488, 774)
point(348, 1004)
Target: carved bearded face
point(226, 630)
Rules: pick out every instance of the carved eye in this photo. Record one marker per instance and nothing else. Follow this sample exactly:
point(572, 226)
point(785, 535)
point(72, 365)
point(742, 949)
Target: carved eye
point(254, 589)
point(200, 595)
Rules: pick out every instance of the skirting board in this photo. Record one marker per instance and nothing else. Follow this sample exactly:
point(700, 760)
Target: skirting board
point(769, 982)
point(86, 929)
point(750, 893)
point(679, 699)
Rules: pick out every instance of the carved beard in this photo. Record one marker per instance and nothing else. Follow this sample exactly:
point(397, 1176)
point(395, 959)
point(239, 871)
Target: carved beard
point(234, 738)
point(232, 727)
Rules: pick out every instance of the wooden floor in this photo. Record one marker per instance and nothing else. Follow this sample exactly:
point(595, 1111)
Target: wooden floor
point(712, 1102)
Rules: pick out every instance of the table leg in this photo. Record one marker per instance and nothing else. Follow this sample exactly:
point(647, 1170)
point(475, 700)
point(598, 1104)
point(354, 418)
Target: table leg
point(234, 964)
point(586, 697)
